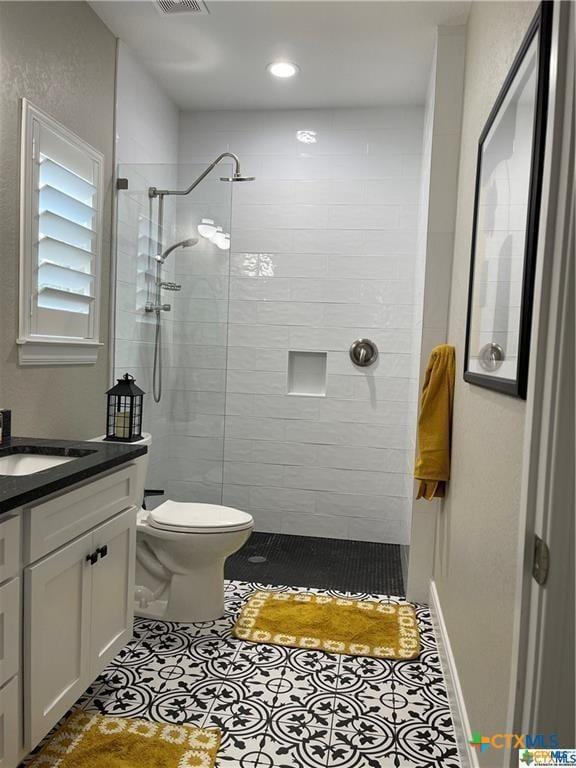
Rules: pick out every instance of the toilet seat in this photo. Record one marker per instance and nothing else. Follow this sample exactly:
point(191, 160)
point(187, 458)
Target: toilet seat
point(186, 517)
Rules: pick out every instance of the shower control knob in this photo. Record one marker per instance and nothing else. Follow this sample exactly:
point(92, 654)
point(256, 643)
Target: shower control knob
point(363, 353)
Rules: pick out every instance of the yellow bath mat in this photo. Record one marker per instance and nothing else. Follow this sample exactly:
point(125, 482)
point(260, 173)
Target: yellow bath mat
point(354, 627)
point(87, 740)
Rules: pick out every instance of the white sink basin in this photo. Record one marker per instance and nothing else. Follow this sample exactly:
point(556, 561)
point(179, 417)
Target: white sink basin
point(27, 464)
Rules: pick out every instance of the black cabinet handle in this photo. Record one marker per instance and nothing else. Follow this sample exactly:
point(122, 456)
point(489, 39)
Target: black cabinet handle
point(99, 553)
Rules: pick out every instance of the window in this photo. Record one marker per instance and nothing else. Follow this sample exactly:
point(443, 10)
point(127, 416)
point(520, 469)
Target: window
point(60, 243)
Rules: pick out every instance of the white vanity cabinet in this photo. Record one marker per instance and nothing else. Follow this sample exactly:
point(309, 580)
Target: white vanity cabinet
point(10, 606)
point(66, 601)
point(79, 614)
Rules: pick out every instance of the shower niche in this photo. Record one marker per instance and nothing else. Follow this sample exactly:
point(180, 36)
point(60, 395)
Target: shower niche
point(307, 373)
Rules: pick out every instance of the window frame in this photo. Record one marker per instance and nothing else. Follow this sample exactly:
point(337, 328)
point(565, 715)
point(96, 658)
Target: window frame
point(35, 348)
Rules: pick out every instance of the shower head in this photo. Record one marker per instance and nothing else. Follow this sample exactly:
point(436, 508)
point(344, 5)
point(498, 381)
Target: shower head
point(188, 243)
point(237, 177)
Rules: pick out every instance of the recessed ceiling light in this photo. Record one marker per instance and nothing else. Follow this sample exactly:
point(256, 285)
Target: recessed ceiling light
point(283, 69)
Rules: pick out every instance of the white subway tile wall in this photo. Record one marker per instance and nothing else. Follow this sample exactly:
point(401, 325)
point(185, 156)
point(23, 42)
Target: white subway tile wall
point(324, 250)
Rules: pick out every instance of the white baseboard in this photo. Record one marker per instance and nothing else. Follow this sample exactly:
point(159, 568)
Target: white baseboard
point(468, 754)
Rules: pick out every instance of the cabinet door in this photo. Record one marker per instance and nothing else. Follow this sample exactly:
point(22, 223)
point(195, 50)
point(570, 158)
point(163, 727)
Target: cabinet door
point(57, 626)
point(9, 548)
point(9, 630)
point(112, 589)
point(9, 724)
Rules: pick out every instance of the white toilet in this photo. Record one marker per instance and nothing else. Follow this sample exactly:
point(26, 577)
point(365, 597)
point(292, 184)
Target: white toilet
point(181, 548)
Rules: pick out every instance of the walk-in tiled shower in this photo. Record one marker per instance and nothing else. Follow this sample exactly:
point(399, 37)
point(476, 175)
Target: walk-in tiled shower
point(262, 407)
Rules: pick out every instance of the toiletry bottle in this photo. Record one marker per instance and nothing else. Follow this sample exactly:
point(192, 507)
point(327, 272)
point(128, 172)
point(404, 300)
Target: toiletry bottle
point(5, 431)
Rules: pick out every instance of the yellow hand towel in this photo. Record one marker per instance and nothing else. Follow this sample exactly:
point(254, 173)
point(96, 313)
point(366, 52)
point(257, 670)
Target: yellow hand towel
point(435, 424)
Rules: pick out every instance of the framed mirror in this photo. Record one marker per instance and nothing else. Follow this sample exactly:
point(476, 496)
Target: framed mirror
point(505, 225)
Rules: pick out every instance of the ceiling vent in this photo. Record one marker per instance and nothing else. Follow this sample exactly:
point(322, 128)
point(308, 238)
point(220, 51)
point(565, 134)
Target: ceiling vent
point(174, 7)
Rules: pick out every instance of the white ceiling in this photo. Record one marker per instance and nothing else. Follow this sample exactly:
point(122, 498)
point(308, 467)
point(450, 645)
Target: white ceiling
point(351, 52)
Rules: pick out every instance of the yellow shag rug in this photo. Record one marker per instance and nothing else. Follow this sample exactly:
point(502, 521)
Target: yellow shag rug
point(87, 740)
point(354, 627)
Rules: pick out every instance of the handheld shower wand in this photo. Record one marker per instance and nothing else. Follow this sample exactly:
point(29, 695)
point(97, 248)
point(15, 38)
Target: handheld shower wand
point(182, 244)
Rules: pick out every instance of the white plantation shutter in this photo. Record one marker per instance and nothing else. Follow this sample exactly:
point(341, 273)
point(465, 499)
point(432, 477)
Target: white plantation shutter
point(61, 233)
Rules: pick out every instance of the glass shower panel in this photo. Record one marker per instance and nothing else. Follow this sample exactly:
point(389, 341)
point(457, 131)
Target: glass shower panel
point(187, 424)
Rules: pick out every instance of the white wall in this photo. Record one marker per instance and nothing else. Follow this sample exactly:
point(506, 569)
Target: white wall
point(323, 251)
point(477, 534)
point(438, 208)
point(38, 40)
point(146, 118)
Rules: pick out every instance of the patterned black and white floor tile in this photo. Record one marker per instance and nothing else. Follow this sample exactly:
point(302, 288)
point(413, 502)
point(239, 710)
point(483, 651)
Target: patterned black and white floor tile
point(280, 707)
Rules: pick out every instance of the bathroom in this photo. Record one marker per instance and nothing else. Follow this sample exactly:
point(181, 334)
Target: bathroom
point(278, 313)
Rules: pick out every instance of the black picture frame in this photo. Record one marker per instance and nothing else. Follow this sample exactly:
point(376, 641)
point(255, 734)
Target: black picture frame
point(541, 25)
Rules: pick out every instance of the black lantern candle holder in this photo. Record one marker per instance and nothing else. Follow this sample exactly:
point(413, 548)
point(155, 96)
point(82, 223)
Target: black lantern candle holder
point(124, 415)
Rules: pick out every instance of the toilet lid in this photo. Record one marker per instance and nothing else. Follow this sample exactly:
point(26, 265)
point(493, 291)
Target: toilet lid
point(185, 517)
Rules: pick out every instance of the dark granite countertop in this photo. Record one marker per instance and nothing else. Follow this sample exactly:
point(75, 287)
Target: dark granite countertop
point(92, 459)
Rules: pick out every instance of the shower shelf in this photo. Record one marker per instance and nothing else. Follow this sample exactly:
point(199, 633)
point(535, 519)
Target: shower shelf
point(307, 373)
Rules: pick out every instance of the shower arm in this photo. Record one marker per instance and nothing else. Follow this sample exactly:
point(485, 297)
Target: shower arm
point(154, 192)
